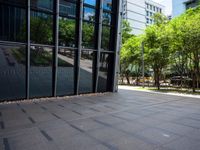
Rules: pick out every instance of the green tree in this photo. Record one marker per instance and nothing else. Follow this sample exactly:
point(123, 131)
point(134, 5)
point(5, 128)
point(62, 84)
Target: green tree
point(131, 57)
point(157, 41)
point(126, 31)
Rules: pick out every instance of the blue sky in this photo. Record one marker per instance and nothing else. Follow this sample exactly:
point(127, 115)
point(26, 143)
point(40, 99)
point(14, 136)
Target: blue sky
point(167, 4)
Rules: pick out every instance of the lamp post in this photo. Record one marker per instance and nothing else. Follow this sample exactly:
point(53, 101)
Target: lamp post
point(142, 50)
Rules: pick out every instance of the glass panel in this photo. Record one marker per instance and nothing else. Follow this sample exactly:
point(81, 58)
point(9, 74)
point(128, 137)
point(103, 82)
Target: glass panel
point(105, 38)
point(41, 28)
point(104, 75)
point(67, 31)
point(106, 18)
point(12, 23)
point(43, 4)
point(88, 35)
point(12, 72)
point(107, 4)
point(17, 2)
point(65, 82)
point(41, 71)
point(89, 14)
point(67, 8)
point(86, 71)
point(90, 2)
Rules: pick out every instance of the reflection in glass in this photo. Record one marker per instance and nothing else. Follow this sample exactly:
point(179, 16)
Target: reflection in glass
point(106, 18)
point(12, 72)
point(107, 5)
point(67, 8)
point(40, 71)
point(86, 71)
point(65, 80)
point(43, 4)
point(104, 72)
point(41, 28)
point(89, 14)
point(105, 44)
point(90, 2)
point(88, 35)
point(12, 23)
point(15, 2)
point(67, 31)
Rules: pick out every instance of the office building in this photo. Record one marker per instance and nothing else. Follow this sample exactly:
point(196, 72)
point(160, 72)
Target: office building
point(139, 13)
point(180, 6)
point(54, 48)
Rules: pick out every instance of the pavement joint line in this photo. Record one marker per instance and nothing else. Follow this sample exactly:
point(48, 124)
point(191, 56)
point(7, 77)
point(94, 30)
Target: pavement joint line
point(73, 126)
point(44, 108)
point(46, 135)
point(6, 144)
point(103, 123)
point(23, 110)
point(110, 107)
point(76, 112)
point(56, 116)
point(113, 115)
point(2, 125)
point(32, 120)
point(95, 109)
point(61, 106)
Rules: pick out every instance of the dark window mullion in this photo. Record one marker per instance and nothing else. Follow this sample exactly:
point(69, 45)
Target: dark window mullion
point(99, 39)
point(79, 44)
point(28, 51)
point(56, 36)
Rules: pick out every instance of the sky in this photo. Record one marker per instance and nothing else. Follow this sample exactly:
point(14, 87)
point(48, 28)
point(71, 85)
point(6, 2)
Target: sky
point(167, 4)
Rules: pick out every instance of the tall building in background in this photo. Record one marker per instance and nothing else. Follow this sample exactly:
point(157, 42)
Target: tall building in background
point(139, 13)
point(180, 6)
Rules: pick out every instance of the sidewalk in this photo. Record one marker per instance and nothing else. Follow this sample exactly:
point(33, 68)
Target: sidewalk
point(136, 88)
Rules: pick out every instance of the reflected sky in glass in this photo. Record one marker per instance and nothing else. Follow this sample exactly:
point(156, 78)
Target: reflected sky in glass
point(90, 2)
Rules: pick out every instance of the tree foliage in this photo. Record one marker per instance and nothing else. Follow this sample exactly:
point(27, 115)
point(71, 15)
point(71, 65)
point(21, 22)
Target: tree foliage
point(173, 45)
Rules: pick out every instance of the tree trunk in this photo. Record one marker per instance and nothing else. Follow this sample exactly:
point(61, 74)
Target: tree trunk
point(127, 78)
point(193, 82)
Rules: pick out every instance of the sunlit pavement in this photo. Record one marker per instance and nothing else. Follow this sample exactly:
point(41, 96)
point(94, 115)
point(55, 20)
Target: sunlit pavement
point(128, 120)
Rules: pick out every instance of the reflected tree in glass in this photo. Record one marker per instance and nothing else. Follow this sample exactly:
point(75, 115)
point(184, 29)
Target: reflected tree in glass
point(67, 32)
point(88, 35)
point(105, 38)
point(41, 28)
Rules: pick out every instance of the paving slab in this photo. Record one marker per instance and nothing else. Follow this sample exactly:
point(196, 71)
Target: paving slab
point(127, 120)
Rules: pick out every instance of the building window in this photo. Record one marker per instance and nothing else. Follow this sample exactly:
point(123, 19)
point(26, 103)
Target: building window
point(41, 61)
point(54, 66)
point(12, 23)
point(104, 72)
point(147, 20)
point(13, 72)
point(147, 13)
point(65, 76)
point(87, 66)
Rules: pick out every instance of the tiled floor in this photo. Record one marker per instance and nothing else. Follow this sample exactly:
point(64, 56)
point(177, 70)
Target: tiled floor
point(128, 120)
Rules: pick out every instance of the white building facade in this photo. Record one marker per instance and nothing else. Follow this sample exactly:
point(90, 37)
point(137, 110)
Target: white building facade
point(180, 6)
point(139, 13)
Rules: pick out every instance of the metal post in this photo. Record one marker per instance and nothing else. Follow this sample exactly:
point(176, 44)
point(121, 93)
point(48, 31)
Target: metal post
point(118, 46)
point(99, 43)
point(56, 32)
point(28, 18)
point(142, 49)
point(78, 53)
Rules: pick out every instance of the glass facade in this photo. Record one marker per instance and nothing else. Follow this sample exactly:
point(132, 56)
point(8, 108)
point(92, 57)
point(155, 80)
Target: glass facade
point(45, 52)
